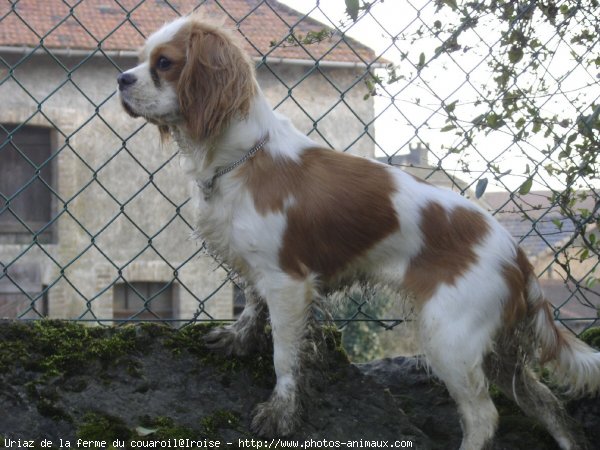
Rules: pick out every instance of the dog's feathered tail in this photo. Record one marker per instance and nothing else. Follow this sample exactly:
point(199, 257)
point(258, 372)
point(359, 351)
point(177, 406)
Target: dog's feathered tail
point(575, 365)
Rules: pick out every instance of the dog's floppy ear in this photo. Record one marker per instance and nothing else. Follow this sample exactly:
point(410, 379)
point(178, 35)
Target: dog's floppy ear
point(216, 83)
point(165, 133)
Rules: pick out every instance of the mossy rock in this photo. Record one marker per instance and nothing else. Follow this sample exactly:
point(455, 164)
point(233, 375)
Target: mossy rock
point(521, 432)
point(56, 348)
point(102, 427)
point(218, 420)
point(191, 339)
point(163, 428)
point(591, 336)
point(152, 382)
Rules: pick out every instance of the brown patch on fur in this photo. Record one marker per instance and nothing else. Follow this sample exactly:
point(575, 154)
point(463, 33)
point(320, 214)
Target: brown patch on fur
point(165, 133)
point(518, 307)
point(175, 52)
point(216, 83)
point(552, 349)
point(271, 181)
point(340, 207)
point(516, 277)
point(449, 238)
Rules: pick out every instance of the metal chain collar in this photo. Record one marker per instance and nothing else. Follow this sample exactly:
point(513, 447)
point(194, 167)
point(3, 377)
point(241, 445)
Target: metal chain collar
point(208, 185)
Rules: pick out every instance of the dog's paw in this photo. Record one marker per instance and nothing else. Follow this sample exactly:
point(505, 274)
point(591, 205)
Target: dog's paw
point(275, 417)
point(237, 341)
point(223, 340)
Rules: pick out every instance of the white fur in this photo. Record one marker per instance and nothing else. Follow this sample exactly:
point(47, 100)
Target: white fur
point(152, 102)
point(163, 35)
point(458, 325)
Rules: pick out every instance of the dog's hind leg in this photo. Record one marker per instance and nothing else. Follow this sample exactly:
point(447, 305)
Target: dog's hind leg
point(469, 389)
point(508, 370)
point(247, 333)
point(455, 347)
point(289, 301)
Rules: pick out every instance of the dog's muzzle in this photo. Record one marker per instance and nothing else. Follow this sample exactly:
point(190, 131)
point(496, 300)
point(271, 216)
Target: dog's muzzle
point(125, 80)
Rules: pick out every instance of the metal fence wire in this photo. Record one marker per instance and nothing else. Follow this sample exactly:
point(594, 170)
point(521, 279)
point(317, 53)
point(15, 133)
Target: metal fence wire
point(498, 100)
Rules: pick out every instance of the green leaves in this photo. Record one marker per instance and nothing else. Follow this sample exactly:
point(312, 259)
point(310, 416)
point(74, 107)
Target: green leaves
point(558, 224)
point(515, 54)
point(494, 120)
point(481, 187)
point(421, 62)
point(352, 8)
point(490, 120)
point(450, 107)
point(451, 3)
point(526, 186)
point(312, 37)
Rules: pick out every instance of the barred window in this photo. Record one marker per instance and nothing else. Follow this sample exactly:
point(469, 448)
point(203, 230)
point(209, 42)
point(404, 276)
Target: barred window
point(26, 180)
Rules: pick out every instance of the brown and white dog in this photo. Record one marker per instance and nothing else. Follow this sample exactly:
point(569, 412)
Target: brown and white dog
point(297, 220)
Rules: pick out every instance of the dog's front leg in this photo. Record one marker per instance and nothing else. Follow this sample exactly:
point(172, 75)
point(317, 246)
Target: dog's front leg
point(245, 335)
point(288, 301)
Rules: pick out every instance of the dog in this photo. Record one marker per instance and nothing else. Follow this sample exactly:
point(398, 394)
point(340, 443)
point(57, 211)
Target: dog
point(298, 221)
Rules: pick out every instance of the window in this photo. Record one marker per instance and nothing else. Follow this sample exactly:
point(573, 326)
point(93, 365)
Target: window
point(143, 300)
point(26, 178)
point(22, 293)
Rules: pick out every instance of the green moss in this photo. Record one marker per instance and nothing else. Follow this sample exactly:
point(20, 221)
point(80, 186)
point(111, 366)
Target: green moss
point(262, 370)
point(154, 330)
point(527, 433)
point(334, 345)
point(119, 342)
point(135, 369)
point(504, 405)
point(75, 384)
point(45, 399)
point(108, 428)
point(14, 338)
point(191, 339)
point(163, 428)
point(101, 427)
point(514, 422)
point(56, 348)
point(31, 388)
point(218, 420)
point(48, 408)
point(591, 336)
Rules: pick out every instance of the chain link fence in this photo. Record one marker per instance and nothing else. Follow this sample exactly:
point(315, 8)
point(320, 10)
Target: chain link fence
point(497, 100)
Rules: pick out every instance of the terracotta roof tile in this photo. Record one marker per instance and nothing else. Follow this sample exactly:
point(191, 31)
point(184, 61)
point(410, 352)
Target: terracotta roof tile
point(109, 25)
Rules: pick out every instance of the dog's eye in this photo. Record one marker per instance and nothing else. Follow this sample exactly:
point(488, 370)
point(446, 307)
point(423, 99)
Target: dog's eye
point(163, 63)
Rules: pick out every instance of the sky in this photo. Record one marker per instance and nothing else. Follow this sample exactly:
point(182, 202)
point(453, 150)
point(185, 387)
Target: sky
point(417, 101)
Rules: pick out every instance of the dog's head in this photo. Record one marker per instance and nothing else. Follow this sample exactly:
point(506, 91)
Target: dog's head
point(192, 74)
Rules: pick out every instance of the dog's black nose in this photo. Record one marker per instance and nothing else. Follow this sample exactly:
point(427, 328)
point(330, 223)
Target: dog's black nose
point(126, 79)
